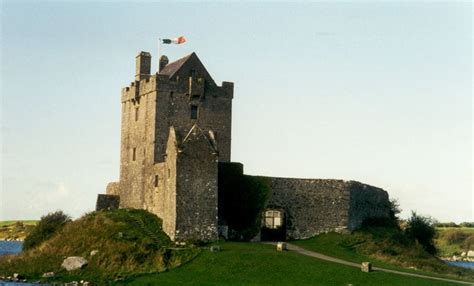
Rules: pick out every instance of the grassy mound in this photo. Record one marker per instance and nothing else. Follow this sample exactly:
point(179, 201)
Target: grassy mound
point(127, 242)
point(384, 247)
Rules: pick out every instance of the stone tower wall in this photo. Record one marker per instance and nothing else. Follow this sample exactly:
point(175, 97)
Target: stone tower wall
point(196, 191)
point(174, 109)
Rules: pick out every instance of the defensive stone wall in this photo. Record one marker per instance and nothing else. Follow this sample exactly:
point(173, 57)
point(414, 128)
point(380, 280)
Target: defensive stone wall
point(314, 206)
point(311, 206)
point(365, 202)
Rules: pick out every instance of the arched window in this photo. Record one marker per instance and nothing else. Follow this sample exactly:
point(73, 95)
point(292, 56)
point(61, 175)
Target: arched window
point(273, 219)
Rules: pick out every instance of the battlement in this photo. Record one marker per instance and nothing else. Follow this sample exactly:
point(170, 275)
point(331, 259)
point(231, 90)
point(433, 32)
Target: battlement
point(193, 87)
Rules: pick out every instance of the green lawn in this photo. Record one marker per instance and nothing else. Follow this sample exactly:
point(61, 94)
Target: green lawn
point(463, 229)
point(11, 222)
point(258, 264)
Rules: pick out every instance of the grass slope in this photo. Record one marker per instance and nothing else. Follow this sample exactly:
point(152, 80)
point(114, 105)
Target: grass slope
point(128, 242)
point(384, 251)
point(259, 264)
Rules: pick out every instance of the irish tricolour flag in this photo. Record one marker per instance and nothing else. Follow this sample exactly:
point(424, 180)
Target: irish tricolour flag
point(177, 41)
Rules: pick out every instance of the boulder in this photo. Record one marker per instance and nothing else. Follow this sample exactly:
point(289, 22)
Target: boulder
point(73, 263)
point(94, 252)
point(281, 246)
point(366, 267)
point(470, 253)
point(215, 248)
point(48, 274)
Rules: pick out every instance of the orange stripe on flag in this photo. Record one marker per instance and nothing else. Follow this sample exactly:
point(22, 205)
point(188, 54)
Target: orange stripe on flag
point(181, 40)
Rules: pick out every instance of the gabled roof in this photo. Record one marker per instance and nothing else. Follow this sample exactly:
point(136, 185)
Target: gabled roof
point(197, 132)
point(171, 68)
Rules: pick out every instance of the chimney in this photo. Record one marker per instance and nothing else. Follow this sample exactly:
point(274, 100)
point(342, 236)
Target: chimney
point(163, 62)
point(143, 65)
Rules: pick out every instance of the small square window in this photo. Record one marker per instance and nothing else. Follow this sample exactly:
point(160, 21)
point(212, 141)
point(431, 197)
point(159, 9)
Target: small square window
point(194, 112)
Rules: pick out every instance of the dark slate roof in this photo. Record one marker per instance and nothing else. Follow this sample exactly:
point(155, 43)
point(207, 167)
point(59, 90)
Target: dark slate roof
point(171, 68)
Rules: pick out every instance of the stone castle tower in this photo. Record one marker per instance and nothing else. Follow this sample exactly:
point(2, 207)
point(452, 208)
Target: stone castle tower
point(176, 127)
point(176, 136)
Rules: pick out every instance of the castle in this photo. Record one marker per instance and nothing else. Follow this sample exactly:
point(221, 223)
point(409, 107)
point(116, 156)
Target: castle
point(176, 131)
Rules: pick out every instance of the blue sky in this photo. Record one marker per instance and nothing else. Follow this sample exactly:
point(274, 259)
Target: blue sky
point(378, 92)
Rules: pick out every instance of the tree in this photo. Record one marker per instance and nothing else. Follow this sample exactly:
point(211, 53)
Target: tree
point(421, 229)
point(46, 228)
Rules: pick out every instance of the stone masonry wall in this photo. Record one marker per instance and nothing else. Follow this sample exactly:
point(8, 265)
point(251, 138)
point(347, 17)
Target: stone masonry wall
point(196, 190)
point(365, 202)
point(313, 206)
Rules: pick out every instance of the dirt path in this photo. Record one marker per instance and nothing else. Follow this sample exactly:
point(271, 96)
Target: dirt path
point(292, 247)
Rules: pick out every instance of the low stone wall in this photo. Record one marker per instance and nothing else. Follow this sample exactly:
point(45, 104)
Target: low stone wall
point(311, 206)
point(107, 202)
point(314, 206)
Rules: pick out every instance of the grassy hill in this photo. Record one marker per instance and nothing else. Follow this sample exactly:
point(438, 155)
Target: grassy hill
point(127, 242)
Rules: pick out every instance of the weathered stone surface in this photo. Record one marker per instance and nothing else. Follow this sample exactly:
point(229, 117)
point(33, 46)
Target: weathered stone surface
point(366, 267)
point(48, 275)
point(281, 246)
point(73, 263)
point(107, 202)
point(18, 276)
point(313, 206)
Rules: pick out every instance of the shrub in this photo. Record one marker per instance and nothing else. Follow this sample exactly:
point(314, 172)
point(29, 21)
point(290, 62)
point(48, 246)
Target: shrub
point(421, 229)
point(390, 221)
point(468, 243)
point(446, 224)
point(453, 236)
point(47, 226)
point(467, 224)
